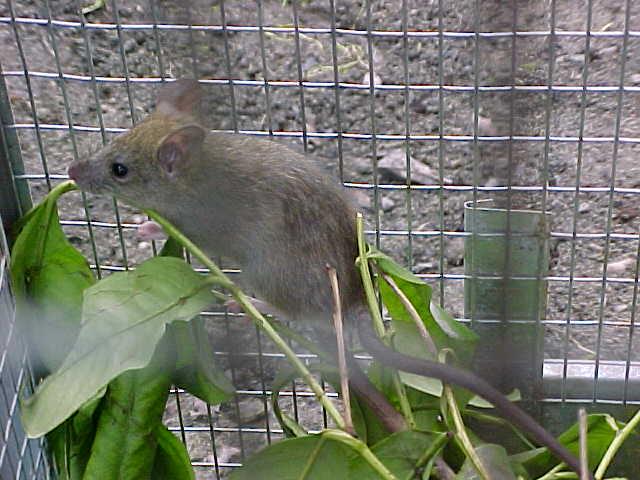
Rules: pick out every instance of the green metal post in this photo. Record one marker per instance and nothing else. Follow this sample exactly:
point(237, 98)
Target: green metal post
point(506, 261)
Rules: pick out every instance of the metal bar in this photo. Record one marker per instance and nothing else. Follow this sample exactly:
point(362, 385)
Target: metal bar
point(576, 198)
point(441, 148)
point(612, 180)
point(373, 124)
point(15, 198)
point(336, 83)
point(612, 89)
point(34, 112)
point(321, 31)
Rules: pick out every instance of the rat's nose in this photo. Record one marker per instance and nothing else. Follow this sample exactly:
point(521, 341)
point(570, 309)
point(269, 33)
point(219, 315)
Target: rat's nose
point(74, 171)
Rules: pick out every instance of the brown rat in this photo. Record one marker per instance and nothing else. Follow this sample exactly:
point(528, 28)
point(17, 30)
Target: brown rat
point(271, 210)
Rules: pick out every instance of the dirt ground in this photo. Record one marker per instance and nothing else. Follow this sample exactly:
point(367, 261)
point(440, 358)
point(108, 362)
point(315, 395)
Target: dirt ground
point(600, 322)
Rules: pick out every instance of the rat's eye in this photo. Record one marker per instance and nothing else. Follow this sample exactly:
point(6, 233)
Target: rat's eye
point(119, 170)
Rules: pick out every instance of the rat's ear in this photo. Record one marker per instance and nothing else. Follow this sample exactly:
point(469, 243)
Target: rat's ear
point(181, 96)
point(176, 148)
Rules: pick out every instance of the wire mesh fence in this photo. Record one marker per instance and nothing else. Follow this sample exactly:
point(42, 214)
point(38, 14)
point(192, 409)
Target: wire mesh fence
point(417, 106)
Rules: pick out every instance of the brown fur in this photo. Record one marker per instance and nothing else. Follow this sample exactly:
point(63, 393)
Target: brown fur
point(271, 210)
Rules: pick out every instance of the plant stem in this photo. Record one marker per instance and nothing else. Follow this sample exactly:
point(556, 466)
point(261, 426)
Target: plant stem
point(582, 430)
point(363, 450)
point(620, 437)
point(485, 417)
point(342, 359)
point(465, 441)
point(555, 473)
point(251, 310)
point(413, 313)
point(432, 450)
point(378, 324)
point(369, 291)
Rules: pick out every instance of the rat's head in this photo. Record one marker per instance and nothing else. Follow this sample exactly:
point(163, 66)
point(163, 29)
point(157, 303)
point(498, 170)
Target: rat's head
point(140, 165)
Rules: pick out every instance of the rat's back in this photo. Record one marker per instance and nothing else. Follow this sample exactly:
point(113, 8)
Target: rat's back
point(296, 218)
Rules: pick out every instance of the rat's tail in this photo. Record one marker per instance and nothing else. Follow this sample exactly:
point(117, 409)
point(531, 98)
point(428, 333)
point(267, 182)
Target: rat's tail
point(462, 378)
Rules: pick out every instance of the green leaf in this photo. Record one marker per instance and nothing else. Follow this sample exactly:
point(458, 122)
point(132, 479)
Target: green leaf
point(402, 451)
point(495, 460)
point(369, 428)
point(70, 443)
point(172, 248)
point(195, 364)
point(125, 442)
point(601, 431)
point(479, 402)
point(196, 371)
point(442, 327)
point(314, 457)
point(48, 277)
point(172, 460)
point(83, 420)
point(123, 318)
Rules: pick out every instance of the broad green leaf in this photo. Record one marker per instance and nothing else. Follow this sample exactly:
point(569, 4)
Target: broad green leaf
point(195, 365)
point(373, 430)
point(196, 371)
point(126, 440)
point(123, 318)
point(495, 460)
point(83, 419)
point(444, 330)
point(314, 457)
point(48, 277)
point(368, 426)
point(600, 434)
point(401, 452)
point(70, 450)
point(172, 460)
point(70, 443)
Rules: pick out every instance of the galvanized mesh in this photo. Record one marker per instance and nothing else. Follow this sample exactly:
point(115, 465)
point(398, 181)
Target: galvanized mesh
point(418, 106)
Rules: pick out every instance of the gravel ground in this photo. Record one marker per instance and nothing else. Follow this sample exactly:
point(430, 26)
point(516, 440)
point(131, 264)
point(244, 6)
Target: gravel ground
point(523, 113)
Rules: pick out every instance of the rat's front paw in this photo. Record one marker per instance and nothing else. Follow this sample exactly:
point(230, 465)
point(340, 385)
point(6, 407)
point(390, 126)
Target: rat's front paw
point(150, 230)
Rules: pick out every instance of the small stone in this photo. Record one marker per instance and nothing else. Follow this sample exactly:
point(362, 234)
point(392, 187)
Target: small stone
point(621, 307)
point(423, 267)
point(387, 204)
point(577, 58)
point(605, 52)
point(130, 45)
point(251, 409)
point(620, 266)
point(584, 208)
point(454, 251)
point(376, 79)
point(627, 214)
point(635, 78)
point(486, 128)
point(393, 166)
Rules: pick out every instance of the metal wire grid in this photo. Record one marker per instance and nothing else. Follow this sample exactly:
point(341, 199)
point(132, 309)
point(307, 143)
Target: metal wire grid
point(549, 90)
point(20, 458)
